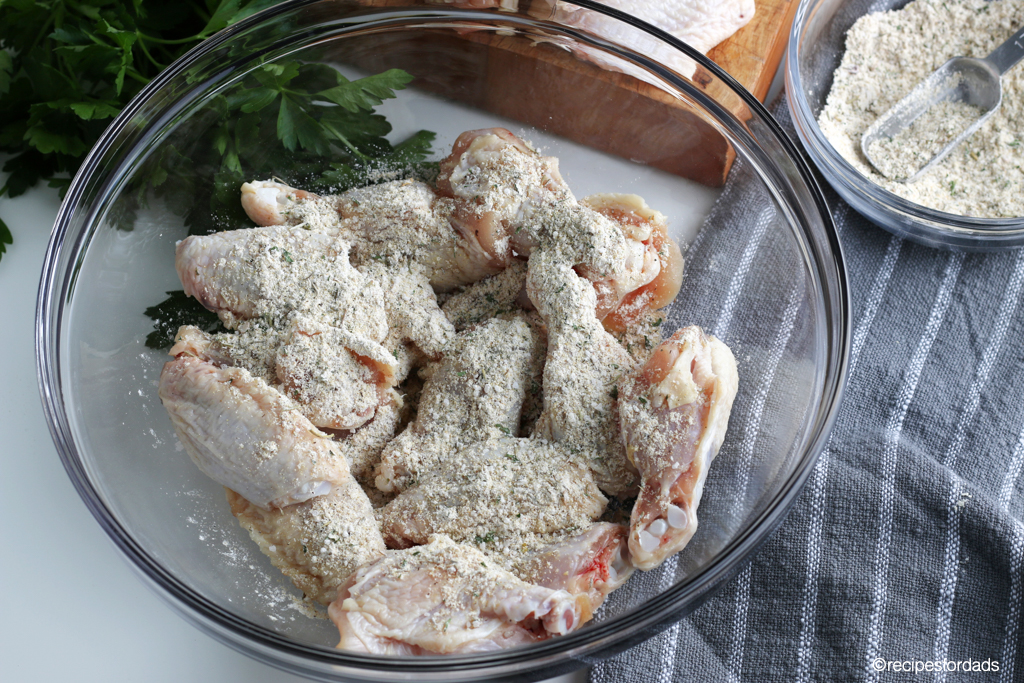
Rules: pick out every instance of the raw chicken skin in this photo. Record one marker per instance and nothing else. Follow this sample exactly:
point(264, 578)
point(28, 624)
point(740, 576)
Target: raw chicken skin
point(225, 271)
point(361, 447)
point(475, 393)
point(621, 303)
point(396, 222)
point(318, 543)
point(496, 490)
point(584, 363)
point(589, 565)
point(497, 198)
point(701, 24)
point(247, 436)
point(332, 336)
point(270, 203)
point(445, 598)
point(674, 412)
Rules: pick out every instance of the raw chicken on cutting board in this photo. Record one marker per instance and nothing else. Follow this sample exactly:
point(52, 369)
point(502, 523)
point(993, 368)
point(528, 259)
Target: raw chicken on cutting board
point(702, 24)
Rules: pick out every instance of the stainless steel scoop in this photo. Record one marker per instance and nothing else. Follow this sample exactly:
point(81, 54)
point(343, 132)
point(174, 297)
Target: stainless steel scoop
point(962, 79)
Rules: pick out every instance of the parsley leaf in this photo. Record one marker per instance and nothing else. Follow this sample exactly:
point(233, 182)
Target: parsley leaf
point(176, 310)
point(5, 237)
point(68, 67)
point(276, 122)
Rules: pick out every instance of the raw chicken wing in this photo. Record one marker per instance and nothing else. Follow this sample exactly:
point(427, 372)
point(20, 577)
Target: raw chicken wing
point(328, 331)
point(445, 598)
point(318, 543)
point(702, 24)
point(247, 436)
point(622, 302)
point(268, 202)
point(260, 272)
point(583, 365)
point(493, 493)
point(397, 223)
point(475, 393)
point(674, 413)
point(361, 447)
point(590, 565)
point(496, 180)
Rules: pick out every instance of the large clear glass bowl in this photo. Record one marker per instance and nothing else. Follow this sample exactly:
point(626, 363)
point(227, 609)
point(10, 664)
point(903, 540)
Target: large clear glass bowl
point(817, 42)
point(649, 102)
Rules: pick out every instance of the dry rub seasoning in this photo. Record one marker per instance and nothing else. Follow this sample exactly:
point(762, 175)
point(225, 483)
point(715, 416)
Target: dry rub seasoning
point(887, 54)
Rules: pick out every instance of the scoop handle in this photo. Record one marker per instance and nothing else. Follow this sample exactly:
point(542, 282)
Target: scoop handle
point(1009, 53)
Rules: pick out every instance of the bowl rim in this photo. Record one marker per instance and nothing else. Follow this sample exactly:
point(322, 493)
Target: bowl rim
point(946, 228)
point(573, 650)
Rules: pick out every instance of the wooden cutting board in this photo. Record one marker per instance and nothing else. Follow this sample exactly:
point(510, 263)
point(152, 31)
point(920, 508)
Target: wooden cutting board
point(545, 86)
point(753, 53)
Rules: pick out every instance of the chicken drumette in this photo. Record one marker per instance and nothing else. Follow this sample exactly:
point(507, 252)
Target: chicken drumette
point(674, 412)
point(475, 393)
point(583, 365)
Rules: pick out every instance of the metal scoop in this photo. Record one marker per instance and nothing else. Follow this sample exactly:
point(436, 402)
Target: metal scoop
point(968, 80)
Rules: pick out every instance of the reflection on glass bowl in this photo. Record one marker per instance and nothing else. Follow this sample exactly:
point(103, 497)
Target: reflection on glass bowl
point(618, 121)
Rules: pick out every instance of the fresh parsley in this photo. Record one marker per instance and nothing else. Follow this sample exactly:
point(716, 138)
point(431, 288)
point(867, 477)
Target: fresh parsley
point(176, 310)
point(304, 124)
point(68, 67)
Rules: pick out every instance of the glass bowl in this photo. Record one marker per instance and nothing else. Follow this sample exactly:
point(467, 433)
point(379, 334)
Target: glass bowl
point(817, 42)
point(657, 110)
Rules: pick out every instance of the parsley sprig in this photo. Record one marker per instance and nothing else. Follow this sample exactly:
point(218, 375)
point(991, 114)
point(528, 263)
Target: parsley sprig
point(67, 67)
point(304, 124)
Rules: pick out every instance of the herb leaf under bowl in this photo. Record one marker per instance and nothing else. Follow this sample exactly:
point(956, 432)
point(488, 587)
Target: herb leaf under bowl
point(176, 310)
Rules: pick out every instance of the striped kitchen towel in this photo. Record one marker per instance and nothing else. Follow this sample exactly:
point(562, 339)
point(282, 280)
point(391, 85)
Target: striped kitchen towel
point(906, 548)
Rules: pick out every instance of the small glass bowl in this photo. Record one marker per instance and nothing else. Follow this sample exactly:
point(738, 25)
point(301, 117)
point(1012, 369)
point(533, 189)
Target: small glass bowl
point(112, 256)
point(817, 42)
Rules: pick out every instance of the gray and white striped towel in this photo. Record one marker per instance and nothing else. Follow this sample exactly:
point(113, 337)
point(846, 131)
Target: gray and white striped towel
point(906, 548)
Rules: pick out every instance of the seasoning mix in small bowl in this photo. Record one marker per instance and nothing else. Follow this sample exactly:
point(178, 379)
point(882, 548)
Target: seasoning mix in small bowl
point(850, 62)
